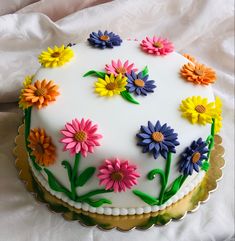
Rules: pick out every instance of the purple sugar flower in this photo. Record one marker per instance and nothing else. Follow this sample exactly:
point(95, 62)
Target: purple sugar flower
point(192, 157)
point(139, 84)
point(104, 40)
point(157, 139)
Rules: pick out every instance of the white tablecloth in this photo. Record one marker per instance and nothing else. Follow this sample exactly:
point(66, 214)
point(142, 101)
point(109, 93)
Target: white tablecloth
point(203, 28)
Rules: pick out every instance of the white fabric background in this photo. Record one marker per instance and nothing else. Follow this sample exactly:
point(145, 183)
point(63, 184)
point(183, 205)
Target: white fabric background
point(203, 28)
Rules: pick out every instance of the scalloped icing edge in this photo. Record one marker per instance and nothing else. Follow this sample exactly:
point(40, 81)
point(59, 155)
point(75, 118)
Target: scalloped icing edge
point(119, 211)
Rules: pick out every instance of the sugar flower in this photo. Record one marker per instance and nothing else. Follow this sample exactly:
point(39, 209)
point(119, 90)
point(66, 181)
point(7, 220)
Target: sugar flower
point(55, 57)
point(104, 40)
point(27, 81)
point(197, 110)
point(218, 114)
point(110, 85)
point(198, 74)
point(139, 84)
point(157, 46)
point(80, 136)
point(117, 175)
point(157, 139)
point(117, 68)
point(39, 94)
point(42, 147)
point(190, 57)
point(192, 157)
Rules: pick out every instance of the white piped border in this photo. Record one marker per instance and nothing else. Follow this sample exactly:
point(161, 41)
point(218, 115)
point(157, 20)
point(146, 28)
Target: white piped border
point(119, 211)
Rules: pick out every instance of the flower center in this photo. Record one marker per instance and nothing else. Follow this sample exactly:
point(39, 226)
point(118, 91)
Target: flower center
point(39, 148)
point(196, 157)
point(200, 108)
point(139, 82)
point(199, 72)
point(157, 136)
point(55, 55)
point(158, 45)
point(104, 37)
point(40, 92)
point(117, 176)
point(121, 70)
point(110, 86)
point(80, 136)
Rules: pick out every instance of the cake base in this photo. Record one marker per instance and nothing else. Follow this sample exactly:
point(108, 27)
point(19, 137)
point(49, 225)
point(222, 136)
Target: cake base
point(176, 211)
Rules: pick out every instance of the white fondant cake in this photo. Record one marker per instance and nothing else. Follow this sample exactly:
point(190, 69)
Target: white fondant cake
point(119, 121)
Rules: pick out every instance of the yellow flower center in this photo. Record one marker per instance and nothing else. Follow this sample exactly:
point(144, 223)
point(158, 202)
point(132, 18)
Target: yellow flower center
point(39, 148)
point(40, 92)
point(200, 108)
point(104, 37)
point(117, 176)
point(196, 157)
point(121, 70)
point(111, 86)
point(55, 55)
point(80, 136)
point(157, 136)
point(158, 45)
point(199, 72)
point(139, 82)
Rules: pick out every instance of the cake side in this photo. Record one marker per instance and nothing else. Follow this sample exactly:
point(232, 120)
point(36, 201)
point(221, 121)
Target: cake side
point(119, 122)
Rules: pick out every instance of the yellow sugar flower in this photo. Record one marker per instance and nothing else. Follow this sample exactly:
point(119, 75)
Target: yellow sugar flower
point(55, 57)
point(197, 110)
point(110, 85)
point(218, 116)
point(27, 81)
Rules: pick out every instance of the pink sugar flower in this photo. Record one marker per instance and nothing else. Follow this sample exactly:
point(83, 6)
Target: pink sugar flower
point(80, 136)
point(157, 46)
point(117, 175)
point(119, 68)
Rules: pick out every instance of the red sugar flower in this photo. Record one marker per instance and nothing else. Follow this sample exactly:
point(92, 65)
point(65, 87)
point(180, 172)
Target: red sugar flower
point(80, 136)
point(117, 175)
point(157, 46)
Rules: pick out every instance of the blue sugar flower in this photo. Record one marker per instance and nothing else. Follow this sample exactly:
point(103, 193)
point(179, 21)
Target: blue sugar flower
point(104, 40)
point(139, 84)
point(157, 139)
point(192, 157)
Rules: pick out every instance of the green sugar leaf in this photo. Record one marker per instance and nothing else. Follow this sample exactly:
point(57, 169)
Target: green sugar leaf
point(85, 176)
point(92, 193)
point(152, 174)
point(95, 73)
point(55, 184)
point(174, 187)
point(146, 198)
point(205, 166)
point(67, 166)
point(145, 71)
point(127, 96)
point(97, 202)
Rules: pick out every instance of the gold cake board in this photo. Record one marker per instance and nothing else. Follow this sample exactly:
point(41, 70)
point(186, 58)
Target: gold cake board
point(176, 211)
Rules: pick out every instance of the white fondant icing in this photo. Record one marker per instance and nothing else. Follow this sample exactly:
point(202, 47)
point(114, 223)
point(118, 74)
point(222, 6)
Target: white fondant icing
point(119, 121)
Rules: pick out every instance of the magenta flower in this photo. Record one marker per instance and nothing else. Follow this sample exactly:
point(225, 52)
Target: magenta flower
point(117, 175)
point(157, 46)
point(119, 68)
point(80, 136)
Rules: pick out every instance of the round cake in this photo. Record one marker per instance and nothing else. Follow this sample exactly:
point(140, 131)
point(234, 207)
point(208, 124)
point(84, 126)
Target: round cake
point(119, 127)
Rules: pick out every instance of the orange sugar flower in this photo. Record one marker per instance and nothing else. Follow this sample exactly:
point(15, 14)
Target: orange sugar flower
point(198, 74)
point(42, 147)
point(190, 57)
point(40, 94)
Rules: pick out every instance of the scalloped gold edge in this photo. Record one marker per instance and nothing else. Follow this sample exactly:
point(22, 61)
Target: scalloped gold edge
point(177, 211)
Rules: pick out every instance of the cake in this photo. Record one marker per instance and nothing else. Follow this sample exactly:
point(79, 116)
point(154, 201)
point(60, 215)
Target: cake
point(119, 127)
